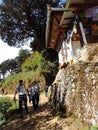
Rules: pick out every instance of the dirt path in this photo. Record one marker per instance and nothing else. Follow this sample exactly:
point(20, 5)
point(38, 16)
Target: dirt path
point(41, 119)
point(43, 98)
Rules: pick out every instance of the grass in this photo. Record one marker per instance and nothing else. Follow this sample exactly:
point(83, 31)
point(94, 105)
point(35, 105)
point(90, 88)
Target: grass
point(6, 105)
point(82, 126)
point(94, 128)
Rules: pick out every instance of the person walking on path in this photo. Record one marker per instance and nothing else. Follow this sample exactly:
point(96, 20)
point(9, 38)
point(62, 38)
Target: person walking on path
point(29, 94)
point(2, 91)
point(32, 92)
point(22, 94)
point(46, 91)
point(37, 93)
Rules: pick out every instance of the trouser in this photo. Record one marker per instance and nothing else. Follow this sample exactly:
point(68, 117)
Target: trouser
point(30, 98)
point(46, 93)
point(34, 102)
point(37, 99)
point(22, 100)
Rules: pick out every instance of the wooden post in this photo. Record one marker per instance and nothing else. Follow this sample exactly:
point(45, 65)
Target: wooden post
point(65, 48)
point(83, 34)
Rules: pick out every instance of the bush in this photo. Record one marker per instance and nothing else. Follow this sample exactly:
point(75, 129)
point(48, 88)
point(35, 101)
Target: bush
point(6, 104)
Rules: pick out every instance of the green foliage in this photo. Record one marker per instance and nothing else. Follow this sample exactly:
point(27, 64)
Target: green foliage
point(40, 65)
point(6, 104)
point(14, 63)
point(94, 128)
point(34, 62)
point(23, 54)
point(11, 81)
point(85, 128)
point(8, 64)
point(50, 54)
point(33, 66)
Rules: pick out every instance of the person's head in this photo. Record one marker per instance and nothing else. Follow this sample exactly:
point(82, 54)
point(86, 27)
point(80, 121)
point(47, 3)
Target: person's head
point(35, 83)
point(20, 82)
point(32, 83)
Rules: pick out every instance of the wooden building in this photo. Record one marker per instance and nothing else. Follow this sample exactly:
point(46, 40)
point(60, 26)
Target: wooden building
point(70, 28)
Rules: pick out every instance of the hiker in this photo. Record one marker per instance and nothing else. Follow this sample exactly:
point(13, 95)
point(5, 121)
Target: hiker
point(32, 92)
point(22, 94)
point(46, 91)
point(37, 93)
point(2, 91)
point(29, 94)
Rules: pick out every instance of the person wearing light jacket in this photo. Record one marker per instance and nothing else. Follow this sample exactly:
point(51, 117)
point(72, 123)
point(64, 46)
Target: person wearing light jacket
point(22, 95)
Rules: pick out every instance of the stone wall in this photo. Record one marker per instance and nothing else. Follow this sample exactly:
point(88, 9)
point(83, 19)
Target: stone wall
point(88, 53)
point(75, 89)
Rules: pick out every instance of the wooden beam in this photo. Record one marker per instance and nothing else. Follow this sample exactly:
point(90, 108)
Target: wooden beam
point(65, 25)
point(89, 20)
point(68, 18)
point(63, 28)
point(82, 32)
point(82, 6)
point(56, 20)
point(55, 30)
point(56, 13)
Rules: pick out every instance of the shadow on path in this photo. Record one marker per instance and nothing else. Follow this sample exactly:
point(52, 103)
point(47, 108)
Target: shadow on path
point(35, 120)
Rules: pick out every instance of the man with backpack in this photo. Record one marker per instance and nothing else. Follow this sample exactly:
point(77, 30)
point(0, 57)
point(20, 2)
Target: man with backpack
point(22, 94)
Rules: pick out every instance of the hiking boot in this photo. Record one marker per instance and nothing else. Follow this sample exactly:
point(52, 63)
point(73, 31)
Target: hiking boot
point(34, 109)
point(27, 112)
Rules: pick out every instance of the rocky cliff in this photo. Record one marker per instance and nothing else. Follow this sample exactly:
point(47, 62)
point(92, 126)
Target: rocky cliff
point(75, 89)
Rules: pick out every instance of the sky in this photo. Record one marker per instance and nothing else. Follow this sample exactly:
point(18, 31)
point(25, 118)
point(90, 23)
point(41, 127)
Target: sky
point(61, 2)
point(7, 52)
point(0, 1)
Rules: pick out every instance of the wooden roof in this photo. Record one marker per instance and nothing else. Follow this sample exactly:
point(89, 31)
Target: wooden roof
point(81, 3)
point(59, 19)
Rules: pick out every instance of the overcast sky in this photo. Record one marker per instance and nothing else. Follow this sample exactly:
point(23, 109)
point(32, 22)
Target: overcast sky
point(7, 52)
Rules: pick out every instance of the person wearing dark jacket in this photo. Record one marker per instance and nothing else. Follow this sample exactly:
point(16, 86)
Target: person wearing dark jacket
point(37, 93)
point(32, 92)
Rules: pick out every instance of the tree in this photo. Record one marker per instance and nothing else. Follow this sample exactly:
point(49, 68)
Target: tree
point(7, 65)
point(40, 65)
point(12, 64)
point(23, 54)
point(21, 20)
point(50, 54)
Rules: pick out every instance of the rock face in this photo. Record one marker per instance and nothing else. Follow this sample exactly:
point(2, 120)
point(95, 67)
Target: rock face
point(75, 89)
point(88, 53)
